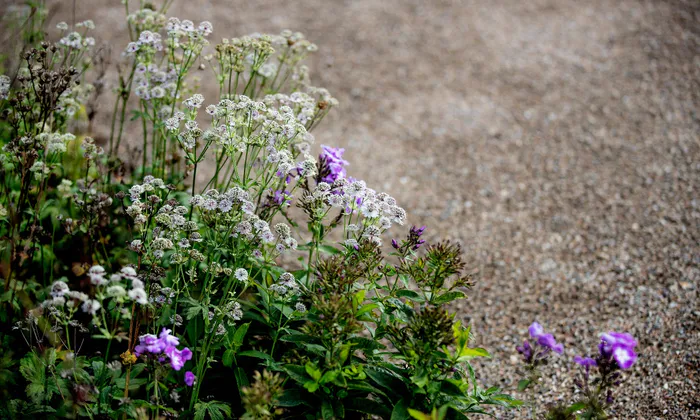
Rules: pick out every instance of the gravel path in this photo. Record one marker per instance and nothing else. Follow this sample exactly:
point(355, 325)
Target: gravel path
point(558, 141)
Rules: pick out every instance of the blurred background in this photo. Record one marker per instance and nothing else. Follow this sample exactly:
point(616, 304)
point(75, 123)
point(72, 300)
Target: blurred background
point(557, 141)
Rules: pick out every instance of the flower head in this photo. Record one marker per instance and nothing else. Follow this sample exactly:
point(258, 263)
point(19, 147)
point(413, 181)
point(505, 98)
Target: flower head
point(190, 378)
point(543, 339)
point(619, 346)
point(332, 158)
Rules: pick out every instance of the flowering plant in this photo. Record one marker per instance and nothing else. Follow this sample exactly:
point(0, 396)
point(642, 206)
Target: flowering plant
point(596, 382)
point(223, 269)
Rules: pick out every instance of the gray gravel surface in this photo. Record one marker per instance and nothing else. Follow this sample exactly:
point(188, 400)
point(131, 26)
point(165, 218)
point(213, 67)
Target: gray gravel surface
point(557, 141)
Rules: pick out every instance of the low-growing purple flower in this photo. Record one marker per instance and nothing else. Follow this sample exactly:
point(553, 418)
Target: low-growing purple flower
point(586, 362)
point(190, 378)
point(526, 351)
point(543, 339)
point(547, 340)
point(619, 346)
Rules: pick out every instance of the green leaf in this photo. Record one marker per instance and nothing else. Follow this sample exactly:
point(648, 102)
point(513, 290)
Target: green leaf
point(329, 249)
point(387, 381)
point(328, 377)
point(410, 295)
point(366, 308)
point(33, 370)
point(450, 388)
point(216, 410)
point(313, 371)
point(344, 353)
point(257, 355)
point(311, 386)
point(358, 298)
point(327, 410)
point(400, 411)
point(367, 406)
point(448, 297)
point(240, 334)
point(296, 372)
point(523, 384)
point(290, 398)
point(419, 415)
point(296, 338)
point(241, 380)
point(470, 353)
point(227, 358)
point(366, 387)
point(576, 407)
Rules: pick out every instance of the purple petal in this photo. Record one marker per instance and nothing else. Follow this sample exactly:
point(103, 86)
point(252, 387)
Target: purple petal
point(585, 361)
point(535, 330)
point(624, 356)
point(189, 378)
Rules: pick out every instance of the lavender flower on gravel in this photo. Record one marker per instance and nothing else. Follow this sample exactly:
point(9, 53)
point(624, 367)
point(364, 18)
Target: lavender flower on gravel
point(544, 339)
point(619, 346)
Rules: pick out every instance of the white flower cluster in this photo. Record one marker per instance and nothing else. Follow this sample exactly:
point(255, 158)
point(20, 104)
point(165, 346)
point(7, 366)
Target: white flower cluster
point(146, 19)
point(156, 78)
point(55, 142)
point(90, 149)
point(379, 210)
point(114, 286)
point(305, 107)
point(233, 200)
point(172, 230)
point(152, 82)
point(286, 286)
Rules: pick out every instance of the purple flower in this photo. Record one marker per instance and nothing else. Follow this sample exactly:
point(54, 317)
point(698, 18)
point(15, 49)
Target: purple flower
point(333, 157)
point(148, 343)
point(164, 345)
point(586, 362)
point(535, 330)
point(178, 357)
point(168, 340)
point(394, 244)
point(189, 378)
point(525, 350)
point(619, 346)
point(545, 340)
point(280, 197)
